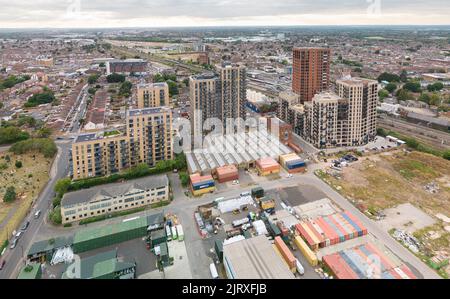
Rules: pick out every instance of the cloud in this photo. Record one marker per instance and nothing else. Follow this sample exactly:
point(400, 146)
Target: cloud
point(150, 13)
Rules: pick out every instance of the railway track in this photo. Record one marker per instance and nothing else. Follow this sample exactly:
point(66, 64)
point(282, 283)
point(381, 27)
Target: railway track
point(438, 139)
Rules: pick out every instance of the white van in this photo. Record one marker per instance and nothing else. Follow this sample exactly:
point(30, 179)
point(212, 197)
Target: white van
point(299, 267)
point(213, 270)
point(37, 214)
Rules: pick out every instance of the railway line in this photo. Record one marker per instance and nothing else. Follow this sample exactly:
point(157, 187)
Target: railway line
point(432, 137)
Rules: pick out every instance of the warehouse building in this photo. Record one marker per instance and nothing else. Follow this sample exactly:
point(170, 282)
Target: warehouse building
point(267, 166)
point(43, 251)
point(227, 173)
point(254, 258)
point(241, 150)
point(104, 265)
point(99, 237)
point(111, 198)
point(126, 67)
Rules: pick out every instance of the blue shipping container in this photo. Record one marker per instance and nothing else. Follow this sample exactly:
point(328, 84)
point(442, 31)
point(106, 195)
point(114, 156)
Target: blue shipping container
point(203, 186)
point(336, 230)
point(352, 265)
point(357, 228)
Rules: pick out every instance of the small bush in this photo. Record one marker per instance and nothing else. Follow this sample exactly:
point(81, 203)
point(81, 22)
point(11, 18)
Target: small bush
point(19, 164)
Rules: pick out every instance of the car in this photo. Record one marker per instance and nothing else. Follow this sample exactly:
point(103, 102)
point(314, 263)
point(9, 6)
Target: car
point(244, 194)
point(37, 214)
point(2, 264)
point(289, 176)
point(25, 226)
point(19, 234)
point(13, 244)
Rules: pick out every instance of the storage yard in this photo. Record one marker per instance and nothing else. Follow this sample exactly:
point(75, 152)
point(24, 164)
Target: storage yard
point(408, 192)
point(134, 247)
point(306, 239)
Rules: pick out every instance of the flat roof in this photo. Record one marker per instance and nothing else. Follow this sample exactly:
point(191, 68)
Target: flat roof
point(147, 111)
point(255, 258)
point(224, 150)
point(98, 232)
point(114, 190)
point(49, 245)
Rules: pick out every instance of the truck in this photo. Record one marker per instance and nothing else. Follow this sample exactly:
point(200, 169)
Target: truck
point(213, 270)
point(168, 233)
point(237, 223)
point(267, 204)
point(174, 233)
point(180, 233)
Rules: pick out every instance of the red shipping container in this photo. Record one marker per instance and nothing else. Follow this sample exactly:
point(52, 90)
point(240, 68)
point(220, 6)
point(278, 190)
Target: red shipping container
point(407, 271)
point(395, 274)
point(368, 260)
point(331, 234)
point(306, 236)
point(350, 227)
point(318, 236)
point(285, 252)
point(339, 267)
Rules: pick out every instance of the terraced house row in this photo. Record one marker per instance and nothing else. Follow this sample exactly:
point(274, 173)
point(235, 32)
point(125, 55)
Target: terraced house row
point(148, 139)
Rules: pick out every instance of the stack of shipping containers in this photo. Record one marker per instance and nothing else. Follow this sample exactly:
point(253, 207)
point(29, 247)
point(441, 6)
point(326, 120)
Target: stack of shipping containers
point(331, 230)
point(292, 163)
point(227, 173)
point(267, 166)
point(365, 261)
point(202, 184)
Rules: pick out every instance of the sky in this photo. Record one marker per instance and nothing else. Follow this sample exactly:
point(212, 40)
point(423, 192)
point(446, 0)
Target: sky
point(194, 13)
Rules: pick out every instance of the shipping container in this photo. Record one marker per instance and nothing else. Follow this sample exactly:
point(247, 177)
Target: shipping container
point(174, 233)
point(384, 266)
point(314, 234)
point(407, 271)
point(285, 252)
point(352, 265)
point(357, 221)
point(340, 269)
point(336, 230)
point(313, 244)
point(356, 261)
point(329, 231)
point(203, 191)
point(344, 232)
point(180, 232)
point(374, 250)
point(218, 246)
point(257, 192)
point(274, 230)
point(306, 251)
point(342, 225)
point(355, 226)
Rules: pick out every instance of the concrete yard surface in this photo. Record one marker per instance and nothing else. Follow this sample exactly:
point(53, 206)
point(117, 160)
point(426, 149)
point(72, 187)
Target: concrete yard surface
point(406, 217)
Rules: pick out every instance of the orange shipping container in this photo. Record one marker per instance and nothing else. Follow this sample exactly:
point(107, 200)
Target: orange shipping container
point(285, 252)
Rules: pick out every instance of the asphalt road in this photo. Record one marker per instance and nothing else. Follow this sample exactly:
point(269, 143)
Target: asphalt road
point(15, 258)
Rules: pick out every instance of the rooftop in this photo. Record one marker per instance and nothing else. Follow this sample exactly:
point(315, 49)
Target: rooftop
point(148, 111)
point(114, 190)
point(254, 258)
point(49, 245)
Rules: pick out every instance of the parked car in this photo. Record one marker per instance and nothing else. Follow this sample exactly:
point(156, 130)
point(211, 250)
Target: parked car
point(2, 264)
point(13, 244)
point(37, 214)
point(25, 226)
point(19, 234)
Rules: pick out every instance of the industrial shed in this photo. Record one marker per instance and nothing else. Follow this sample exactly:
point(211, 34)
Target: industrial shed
point(42, 251)
point(254, 258)
point(94, 238)
point(241, 150)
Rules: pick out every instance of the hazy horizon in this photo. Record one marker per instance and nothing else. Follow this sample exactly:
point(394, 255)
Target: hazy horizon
point(83, 14)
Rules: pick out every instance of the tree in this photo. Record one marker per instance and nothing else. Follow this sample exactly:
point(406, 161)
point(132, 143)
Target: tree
point(391, 87)
point(102, 64)
point(383, 94)
point(404, 95)
point(446, 155)
point(45, 97)
point(12, 134)
point(10, 194)
point(55, 216)
point(115, 78)
point(173, 88)
point(62, 185)
point(18, 164)
point(93, 78)
point(403, 76)
point(44, 133)
point(125, 89)
point(388, 77)
point(412, 86)
point(435, 87)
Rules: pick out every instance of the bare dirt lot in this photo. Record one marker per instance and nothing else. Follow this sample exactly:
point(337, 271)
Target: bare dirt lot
point(387, 180)
point(27, 180)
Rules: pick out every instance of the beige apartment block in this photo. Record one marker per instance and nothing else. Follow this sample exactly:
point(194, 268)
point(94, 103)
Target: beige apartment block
point(111, 198)
point(152, 95)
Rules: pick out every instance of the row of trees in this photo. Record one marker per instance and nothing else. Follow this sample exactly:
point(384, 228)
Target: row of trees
point(11, 81)
point(45, 97)
point(170, 79)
